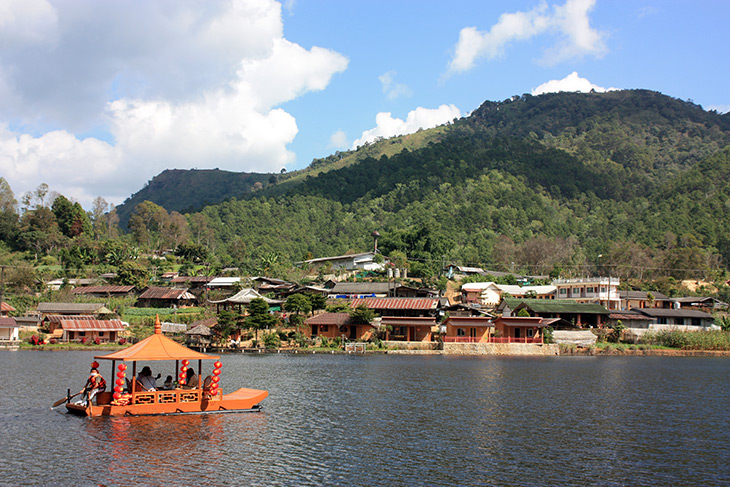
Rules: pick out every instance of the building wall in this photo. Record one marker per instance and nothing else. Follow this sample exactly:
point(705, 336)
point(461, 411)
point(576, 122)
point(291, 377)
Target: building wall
point(500, 349)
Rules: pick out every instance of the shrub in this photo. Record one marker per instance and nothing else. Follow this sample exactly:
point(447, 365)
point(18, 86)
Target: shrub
point(82, 340)
point(52, 341)
point(122, 341)
point(272, 340)
point(97, 341)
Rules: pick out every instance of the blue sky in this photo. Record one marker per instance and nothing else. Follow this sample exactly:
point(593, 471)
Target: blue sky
point(96, 98)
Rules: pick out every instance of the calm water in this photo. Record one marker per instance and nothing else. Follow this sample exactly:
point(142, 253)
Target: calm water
point(387, 420)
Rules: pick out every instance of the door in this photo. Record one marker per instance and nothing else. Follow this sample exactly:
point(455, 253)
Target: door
point(517, 332)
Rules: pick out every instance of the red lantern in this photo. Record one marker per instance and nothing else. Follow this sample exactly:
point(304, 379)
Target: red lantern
point(117, 395)
point(183, 369)
point(216, 379)
point(120, 382)
point(218, 364)
point(118, 389)
point(213, 386)
point(186, 362)
point(213, 393)
point(122, 367)
point(120, 374)
point(216, 372)
point(94, 364)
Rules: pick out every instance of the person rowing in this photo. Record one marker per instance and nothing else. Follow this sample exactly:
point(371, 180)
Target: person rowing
point(94, 385)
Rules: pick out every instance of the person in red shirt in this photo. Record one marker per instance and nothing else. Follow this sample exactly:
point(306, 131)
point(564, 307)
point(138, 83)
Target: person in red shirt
point(94, 385)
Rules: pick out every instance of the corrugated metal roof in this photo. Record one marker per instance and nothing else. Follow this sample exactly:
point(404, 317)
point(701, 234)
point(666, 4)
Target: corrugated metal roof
point(103, 289)
point(362, 288)
point(6, 308)
point(556, 306)
point(397, 303)
point(70, 308)
point(166, 293)
point(92, 325)
point(673, 313)
point(338, 319)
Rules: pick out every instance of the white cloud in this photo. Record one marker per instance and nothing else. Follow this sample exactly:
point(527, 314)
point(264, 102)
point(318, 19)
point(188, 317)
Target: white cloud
point(338, 140)
point(197, 85)
point(572, 82)
point(420, 118)
point(569, 22)
point(392, 89)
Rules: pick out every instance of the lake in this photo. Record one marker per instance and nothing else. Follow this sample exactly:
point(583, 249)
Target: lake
point(386, 420)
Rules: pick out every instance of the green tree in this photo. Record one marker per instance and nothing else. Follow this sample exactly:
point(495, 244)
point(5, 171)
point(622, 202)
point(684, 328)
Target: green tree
point(259, 317)
point(317, 301)
point(132, 273)
point(362, 315)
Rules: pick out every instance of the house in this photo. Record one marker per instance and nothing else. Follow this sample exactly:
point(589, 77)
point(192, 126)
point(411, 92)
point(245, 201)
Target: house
point(600, 290)
point(8, 331)
point(307, 290)
point(490, 294)
point(104, 291)
point(351, 290)
point(199, 335)
point(52, 323)
point(630, 319)
point(698, 303)
point(168, 276)
point(678, 317)
point(165, 297)
point(643, 299)
point(57, 284)
point(94, 309)
point(193, 283)
point(223, 282)
point(518, 329)
point(453, 270)
point(573, 313)
point(278, 287)
point(91, 329)
point(406, 319)
point(334, 325)
point(363, 261)
point(468, 329)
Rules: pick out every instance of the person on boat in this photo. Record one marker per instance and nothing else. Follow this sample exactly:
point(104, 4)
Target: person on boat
point(168, 383)
point(145, 378)
point(191, 381)
point(94, 385)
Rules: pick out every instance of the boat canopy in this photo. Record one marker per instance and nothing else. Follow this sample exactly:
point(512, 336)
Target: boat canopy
point(156, 347)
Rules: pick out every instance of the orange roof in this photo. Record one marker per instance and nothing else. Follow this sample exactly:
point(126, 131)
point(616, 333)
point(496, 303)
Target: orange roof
point(6, 307)
point(156, 347)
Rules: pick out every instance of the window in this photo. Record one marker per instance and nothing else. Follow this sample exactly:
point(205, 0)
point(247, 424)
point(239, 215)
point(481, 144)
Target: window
point(460, 332)
point(589, 290)
point(530, 333)
point(563, 291)
point(603, 289)
point(82, 333)
point(324, 328)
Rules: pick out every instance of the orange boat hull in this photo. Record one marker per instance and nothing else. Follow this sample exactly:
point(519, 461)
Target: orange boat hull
point(176, 402)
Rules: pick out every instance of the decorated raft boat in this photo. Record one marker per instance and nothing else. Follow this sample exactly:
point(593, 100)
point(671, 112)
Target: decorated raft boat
point(206, 397)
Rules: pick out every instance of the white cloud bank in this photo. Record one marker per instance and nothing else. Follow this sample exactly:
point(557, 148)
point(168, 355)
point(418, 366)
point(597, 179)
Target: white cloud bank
point(420, 118)
point(185, 85)
point(569, 22)
point(572, 83)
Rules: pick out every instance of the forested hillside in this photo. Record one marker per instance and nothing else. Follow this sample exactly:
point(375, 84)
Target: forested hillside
point(187, 191)
point(631, 183)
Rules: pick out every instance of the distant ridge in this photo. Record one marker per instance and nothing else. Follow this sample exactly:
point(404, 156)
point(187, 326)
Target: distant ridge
point(189, 190)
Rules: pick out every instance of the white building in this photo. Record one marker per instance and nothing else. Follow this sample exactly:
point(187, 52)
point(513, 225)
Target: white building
point(364, 261)
point(601, 290)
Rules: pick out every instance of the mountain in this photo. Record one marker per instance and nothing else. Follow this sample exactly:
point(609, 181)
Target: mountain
point(544, 182)
point(188, 191)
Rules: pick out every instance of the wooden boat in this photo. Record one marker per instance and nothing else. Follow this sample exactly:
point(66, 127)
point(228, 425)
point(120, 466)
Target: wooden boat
point(205, 398)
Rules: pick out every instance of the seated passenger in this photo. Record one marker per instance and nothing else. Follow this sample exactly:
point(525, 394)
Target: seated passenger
point(168, 383)
point(191, 381)
point(145, 378)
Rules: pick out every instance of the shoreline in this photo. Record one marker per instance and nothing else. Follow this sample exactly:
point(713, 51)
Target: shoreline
point(595, 352)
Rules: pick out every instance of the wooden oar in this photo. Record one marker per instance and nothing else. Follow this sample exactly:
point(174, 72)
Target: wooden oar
point(61, 401)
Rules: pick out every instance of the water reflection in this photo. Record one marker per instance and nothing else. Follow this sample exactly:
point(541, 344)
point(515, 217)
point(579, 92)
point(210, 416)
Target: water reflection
point(389, 420)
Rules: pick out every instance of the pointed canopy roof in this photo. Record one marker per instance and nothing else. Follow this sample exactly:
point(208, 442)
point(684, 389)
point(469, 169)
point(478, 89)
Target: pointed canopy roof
point(156, 347)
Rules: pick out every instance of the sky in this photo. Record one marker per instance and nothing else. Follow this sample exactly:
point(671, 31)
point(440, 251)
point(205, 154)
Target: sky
point(96, 98)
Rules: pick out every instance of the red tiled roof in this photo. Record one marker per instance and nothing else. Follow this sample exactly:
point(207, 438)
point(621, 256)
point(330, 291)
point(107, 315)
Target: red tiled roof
point(92, 325)
point(166, 293)
point(5, 307)
point(102, 290)
point(407, 321)
point(338, 319)
point(397, 303)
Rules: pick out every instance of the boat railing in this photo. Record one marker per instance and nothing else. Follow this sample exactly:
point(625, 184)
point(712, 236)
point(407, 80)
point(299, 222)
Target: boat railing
point(167, 397)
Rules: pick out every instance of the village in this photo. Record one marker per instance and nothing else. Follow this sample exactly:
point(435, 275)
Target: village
point(364, 305)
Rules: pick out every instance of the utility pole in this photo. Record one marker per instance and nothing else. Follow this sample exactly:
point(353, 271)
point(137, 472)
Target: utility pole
point(2, 286)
